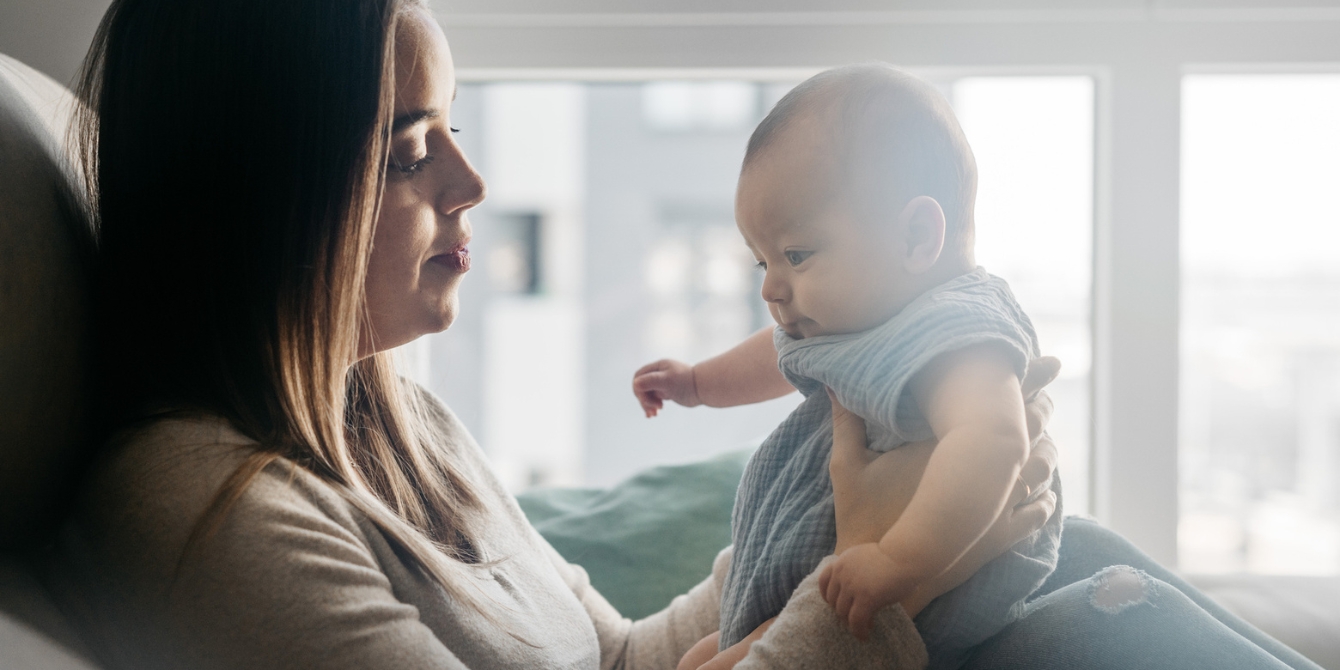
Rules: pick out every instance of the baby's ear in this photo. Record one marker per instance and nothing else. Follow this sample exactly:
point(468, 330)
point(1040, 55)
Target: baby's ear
point(923, 225)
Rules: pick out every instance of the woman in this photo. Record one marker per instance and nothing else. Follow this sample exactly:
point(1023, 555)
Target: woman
point(281, 202)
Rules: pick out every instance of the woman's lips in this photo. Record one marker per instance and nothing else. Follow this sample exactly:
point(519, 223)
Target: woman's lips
point(457, 259)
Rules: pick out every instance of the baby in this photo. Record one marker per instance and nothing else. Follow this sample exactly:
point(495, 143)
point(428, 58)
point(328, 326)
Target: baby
point(856, 199)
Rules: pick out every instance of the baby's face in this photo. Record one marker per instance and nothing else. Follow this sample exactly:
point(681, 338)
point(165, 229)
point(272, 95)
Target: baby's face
point(828, 267)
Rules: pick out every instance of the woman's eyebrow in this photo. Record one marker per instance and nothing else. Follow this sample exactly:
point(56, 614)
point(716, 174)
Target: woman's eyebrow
point(410, 118)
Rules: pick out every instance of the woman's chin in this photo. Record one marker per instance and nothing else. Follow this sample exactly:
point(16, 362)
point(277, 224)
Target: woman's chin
point(395, 330)
point(445, 315)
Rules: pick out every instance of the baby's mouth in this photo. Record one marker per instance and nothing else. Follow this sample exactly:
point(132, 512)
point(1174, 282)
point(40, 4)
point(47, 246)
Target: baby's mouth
point(791, 329)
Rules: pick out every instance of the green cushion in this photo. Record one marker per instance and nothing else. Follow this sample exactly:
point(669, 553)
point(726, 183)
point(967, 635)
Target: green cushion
point(647, 539)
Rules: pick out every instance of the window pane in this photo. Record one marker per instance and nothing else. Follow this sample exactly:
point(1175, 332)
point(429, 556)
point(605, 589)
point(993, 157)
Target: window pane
point(608, 241)
point(1033, 139)
point(1260, 378)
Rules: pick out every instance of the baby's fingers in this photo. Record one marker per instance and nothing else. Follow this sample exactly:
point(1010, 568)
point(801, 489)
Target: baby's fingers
point(1040, 464)
point(652, 367)
point(650, 381)
point(1034, 515)
point(833, 589)
point(844, 603)
point(862, 614)
point(650, 400)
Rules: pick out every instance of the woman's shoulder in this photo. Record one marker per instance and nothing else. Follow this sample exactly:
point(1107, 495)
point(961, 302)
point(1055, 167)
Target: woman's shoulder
point(166, 466)
point(179, 459)
point(276, 578)
point(160, 477)
point(151, 489)
point(157, 453)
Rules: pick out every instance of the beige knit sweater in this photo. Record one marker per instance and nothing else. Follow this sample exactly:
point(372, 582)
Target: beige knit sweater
point(298, 578)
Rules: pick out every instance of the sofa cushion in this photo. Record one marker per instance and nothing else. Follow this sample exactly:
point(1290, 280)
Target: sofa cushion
point(648, 539)
point(1302, 612)
point(45, 253)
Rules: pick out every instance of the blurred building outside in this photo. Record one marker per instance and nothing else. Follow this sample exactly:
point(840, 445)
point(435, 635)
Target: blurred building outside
point(1260, 377)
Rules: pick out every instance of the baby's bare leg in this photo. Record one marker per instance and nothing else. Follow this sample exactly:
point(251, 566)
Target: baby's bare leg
point(700, 653)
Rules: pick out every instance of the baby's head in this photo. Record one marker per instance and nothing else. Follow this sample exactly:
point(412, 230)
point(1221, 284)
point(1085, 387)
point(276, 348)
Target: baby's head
point(856, 196)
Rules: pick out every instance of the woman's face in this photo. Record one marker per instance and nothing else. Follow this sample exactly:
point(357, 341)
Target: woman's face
point(419, 252)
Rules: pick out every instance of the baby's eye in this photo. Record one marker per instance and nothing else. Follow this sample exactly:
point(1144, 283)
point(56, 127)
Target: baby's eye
point(762, 265)
point(797, 257)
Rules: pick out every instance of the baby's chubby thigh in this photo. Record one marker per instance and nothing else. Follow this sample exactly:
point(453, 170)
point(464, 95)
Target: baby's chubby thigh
point(893, 476)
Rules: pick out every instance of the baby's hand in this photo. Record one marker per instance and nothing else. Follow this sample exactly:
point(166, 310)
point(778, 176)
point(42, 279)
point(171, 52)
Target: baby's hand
point(665, 380)
point(862, 581)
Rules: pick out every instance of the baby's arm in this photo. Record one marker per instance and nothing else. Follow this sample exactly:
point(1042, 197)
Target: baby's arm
point(747, 373)
point(973, 402)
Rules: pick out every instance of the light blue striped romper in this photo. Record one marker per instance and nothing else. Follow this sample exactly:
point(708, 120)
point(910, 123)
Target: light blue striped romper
point(783, 522)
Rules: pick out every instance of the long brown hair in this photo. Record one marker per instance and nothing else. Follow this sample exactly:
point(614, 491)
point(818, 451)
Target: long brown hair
point(236, 151)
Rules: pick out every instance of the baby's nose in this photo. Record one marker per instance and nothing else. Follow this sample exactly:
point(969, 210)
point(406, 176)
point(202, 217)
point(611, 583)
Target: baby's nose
point(774, 290)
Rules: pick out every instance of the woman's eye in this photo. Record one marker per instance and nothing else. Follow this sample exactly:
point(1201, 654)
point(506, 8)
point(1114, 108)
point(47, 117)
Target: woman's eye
point(797, 257)
point(762, 265)
point(412, 168)
point(454, 130)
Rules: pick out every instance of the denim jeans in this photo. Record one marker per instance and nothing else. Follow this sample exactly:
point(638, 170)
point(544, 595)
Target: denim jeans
point(1110, 606)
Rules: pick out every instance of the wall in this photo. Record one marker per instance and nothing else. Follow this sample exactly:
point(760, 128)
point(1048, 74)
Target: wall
point(50, 35)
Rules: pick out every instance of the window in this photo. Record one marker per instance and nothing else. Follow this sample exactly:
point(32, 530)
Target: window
point(1260, 394)
point(687, 106)
point(1033, 140)
point(1134, 54)
point(656, 267)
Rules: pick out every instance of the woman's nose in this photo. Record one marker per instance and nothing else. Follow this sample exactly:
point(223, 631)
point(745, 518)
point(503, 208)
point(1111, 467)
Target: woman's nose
point(464, 187)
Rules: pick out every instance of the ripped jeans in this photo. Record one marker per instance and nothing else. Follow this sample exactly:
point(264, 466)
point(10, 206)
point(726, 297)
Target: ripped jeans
point(1110, 606)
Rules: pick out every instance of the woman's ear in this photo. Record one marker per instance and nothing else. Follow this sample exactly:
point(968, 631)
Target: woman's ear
point(922, 223)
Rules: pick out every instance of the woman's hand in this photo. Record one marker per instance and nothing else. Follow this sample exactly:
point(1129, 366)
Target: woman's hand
point(734, 653)
point(871, 490)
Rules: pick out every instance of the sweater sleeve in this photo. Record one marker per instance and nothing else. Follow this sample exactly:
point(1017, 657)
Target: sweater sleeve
point(660, 640)
point(809, 634)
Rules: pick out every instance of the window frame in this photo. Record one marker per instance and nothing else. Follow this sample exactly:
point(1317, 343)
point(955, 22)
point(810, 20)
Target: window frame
point(1137, 56)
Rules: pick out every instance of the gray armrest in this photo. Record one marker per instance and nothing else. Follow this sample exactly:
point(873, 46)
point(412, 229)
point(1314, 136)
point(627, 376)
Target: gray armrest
point(1302, 612)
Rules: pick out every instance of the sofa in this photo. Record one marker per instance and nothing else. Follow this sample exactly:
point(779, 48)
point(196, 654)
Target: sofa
point(642, 541)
